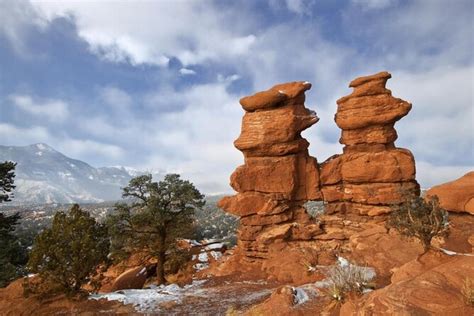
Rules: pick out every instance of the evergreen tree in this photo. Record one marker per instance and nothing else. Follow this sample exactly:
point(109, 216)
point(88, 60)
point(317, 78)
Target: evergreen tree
point(69, 253)
point(158, 214)
point(7, 175)
point(12, 254)
point(421, 219)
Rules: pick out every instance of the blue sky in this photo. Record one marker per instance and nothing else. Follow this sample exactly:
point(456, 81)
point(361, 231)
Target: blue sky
point(155, 84)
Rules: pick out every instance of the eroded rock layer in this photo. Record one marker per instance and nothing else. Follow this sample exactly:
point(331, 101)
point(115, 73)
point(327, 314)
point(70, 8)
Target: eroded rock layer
point(278, 175)
point(372, 174)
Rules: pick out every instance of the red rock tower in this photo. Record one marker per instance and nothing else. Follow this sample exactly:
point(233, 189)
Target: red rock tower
point(278, 175)
point(372, 174)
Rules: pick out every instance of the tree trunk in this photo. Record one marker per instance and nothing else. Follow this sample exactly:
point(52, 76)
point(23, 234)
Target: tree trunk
point(160, 266)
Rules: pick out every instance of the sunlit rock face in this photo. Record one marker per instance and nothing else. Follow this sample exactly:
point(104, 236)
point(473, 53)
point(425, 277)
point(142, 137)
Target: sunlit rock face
point(372, 174)
point(456, 195)
point(278, 175)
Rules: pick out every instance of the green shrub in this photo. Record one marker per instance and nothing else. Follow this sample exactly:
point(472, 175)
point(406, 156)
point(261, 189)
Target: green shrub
point(69, 253)
point(421, 219)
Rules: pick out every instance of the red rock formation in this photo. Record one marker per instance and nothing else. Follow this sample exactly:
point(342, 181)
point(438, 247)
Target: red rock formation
point(131, 279)
point(429, 286)
point(457, 195)
point(372, 174)
point(278, 175)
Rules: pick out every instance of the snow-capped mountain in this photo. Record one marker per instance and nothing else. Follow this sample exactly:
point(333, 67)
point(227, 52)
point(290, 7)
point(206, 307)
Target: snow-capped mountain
point(44, 175)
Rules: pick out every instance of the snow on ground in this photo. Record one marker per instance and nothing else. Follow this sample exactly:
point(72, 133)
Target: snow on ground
point(216, 255)
point(454, 253)
point(148, 300)
point(301, 296)
point(202, 257)
point(215, 246)
point(198, 298)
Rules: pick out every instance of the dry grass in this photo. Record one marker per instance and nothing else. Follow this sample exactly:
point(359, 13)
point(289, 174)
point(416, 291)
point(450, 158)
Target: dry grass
point(468, 291)
point(344, 280)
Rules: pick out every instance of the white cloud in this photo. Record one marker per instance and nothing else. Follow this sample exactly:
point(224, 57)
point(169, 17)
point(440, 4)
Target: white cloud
point(14, 135)
point(116, 98)
point(52, 109)
point(186, 71)
point(440, 126)
point(192, 31)
point(429, 174)
point(17, 20)
point(298, 6)
point(198, 142)
point(84, 148)
point(374, 4)
point(76, 148)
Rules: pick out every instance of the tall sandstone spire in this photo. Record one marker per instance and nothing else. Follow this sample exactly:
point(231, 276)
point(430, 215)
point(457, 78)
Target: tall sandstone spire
point(278, 175)
point(372, 174)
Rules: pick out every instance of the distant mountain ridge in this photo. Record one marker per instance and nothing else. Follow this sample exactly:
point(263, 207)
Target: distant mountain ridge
point(44, 175)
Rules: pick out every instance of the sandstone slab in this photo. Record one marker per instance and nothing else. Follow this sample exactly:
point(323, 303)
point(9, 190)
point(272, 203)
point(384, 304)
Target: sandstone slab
point(263, 129)
point(247, 203)
point(366, 111)
point(457, 195)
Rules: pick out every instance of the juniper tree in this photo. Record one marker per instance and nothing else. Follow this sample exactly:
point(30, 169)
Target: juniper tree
point(421, 219)
point(158, 213)
point(69, 253)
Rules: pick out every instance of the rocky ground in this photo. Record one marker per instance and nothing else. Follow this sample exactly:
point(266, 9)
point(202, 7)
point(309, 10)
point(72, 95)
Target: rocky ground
point(404, 285)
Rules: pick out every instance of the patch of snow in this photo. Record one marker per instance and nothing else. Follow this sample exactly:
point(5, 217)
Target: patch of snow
point(366, 273)
point(454, 253)
point(216, 254)
point(194, 242)
point(281, 92)
point(219, 245)
point(41, 146)
point(343, 262)
point(448, 252)
point(300, 296)
point(148, 300)
point(306, 83)
point(91, 177)
point(142, 271)
point(202, 257)
point(210, 241)
point(39, 153)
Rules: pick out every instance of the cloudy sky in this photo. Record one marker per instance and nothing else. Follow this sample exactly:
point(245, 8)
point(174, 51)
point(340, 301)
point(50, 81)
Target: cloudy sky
point(155, 84)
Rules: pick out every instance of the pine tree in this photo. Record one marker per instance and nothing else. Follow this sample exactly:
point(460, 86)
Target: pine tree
point(69, 253)
point(158, 214)
point(12, 254)
point(7, 175)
